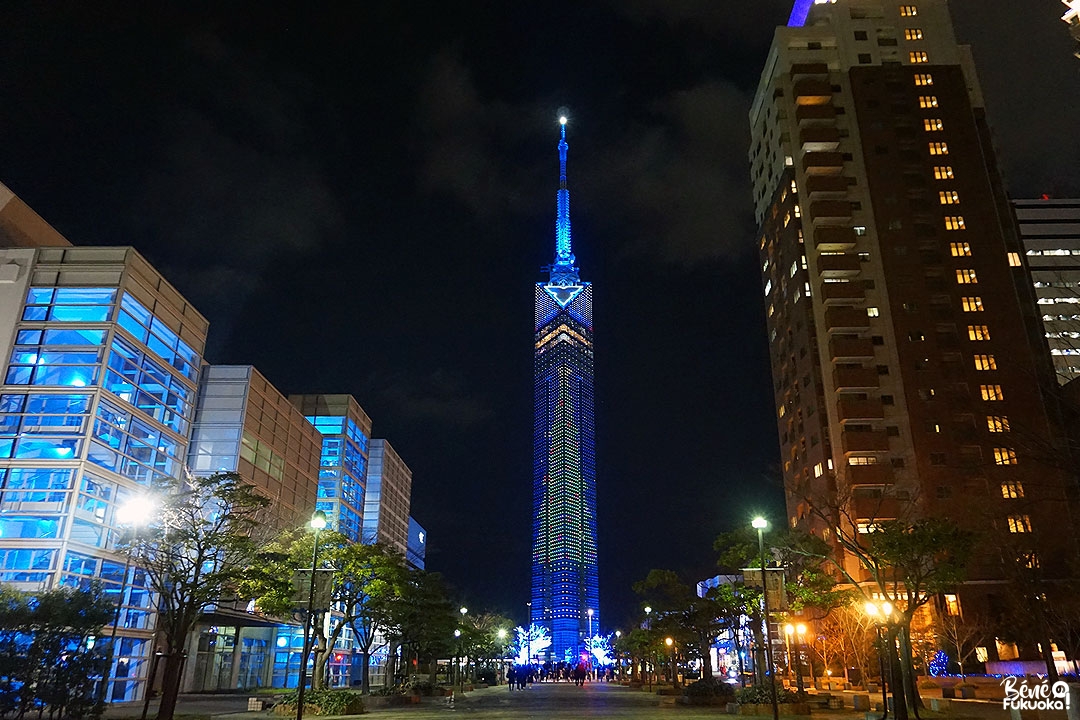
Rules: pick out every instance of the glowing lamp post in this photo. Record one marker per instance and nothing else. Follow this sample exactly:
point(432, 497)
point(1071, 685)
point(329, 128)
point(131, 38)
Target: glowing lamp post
point(671, 649)
point(881, 614)
point(461, 658)
point(318, 524)
point(759, 524)
point(799, 631)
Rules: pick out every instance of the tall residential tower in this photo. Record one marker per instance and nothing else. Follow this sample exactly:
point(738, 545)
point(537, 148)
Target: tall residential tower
point(906, 357)
point(565, 594)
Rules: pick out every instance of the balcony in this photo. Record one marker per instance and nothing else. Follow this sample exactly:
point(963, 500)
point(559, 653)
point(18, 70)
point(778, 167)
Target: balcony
point(850, 319)
point(804, 113)
point(819, 139)
point(846, 265)
point(809, 69)
point(873, 441)
point(855, 378)
point(833, 238)
point(826, 184)
point(830, 210)
point(812, 91)
point(847, 293)
point(853, 409)
point(823, 163)
point(850, 348)
point(879, 474)
point(876, 508)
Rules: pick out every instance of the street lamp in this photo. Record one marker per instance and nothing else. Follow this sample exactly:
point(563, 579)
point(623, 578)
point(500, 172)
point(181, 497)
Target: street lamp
point(880, 615)
point(759, 523)
point(318, 524)
point(590, 622)
point(618, 659)
point(799, 631)
point(461, 660)
point(671, 647)
point(133, 514)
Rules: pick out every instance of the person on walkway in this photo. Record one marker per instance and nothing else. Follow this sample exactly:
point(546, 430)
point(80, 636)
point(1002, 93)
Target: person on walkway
point(511, 677)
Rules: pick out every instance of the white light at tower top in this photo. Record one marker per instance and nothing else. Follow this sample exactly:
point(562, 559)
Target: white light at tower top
point(562, 119)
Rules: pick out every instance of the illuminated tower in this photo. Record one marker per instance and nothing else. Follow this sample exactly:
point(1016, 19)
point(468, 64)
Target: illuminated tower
point(565, 595)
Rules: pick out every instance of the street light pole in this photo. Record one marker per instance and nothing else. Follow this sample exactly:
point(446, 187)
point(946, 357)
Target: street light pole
point(134, 513)
point(884, 611)
point(759, 524)
point(318, 522)
point(528, 634)
point(464, 611)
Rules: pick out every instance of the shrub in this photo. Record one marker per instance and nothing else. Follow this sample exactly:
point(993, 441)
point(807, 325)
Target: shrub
point(760, 695)
point(486, 676)
point(710, 688)
point(325, 702)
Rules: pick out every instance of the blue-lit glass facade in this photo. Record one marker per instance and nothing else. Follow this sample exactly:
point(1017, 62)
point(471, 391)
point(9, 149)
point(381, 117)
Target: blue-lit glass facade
point(341, 472)
point(417, 552)
point(564, 562)
point(96, 402)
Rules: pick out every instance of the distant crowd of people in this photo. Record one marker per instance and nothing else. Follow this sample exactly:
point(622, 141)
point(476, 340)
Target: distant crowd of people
point(521, 676)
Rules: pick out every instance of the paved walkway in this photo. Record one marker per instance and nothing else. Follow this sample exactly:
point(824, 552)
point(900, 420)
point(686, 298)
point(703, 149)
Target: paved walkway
point(548, 701)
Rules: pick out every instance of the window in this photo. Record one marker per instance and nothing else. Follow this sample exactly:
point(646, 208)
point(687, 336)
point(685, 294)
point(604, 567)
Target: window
point(818, 470)
point(978, 332)
point(861, 460)
point(918, 57)
point(865, 59)
point(908, 11)
point(924, 79)
point(948, 197)
point(966, 276)
point(860, 35)
point(939, 148)
point(1012, 490)
point(992, 393)
point(997, 423)
point(928, 101)
point(1004, 456)
point(1019, 524)
point(1014, 259)
point(798, 211)
point(933, 124)
point(943, 172)
point(955, 222)
point(985, 362)
point(971, 304)
point(960, 249)
point(912, 34)
point(872, 312)
point(952, 605)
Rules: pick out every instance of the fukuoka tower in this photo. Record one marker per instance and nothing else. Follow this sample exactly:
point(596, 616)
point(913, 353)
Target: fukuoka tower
point(565, 594)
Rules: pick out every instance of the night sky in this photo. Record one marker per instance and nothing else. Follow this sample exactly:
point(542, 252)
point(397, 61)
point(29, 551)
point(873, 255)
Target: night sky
point(360, 197)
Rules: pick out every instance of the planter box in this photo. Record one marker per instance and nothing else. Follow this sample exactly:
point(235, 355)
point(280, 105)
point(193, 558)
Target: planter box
point(785, 709)
point(384, 701)
point(705, 700)
point(968, 693)
point(948, 692)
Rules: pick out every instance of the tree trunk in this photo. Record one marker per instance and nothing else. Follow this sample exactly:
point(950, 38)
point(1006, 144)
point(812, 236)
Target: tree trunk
point(706, 659)
point(365, 671)
point(1044, 642)
point(911, 687)
point(170, 683)
point(896, 674)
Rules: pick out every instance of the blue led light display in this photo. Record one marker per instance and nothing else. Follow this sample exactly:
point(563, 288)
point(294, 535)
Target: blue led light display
point(564, 568)
point(799, 12)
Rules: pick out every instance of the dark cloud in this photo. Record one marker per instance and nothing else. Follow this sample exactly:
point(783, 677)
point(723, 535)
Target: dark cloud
point(438, 398)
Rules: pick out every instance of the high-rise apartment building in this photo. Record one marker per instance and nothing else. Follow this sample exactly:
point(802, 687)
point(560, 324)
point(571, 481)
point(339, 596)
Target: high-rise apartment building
point(101, 364)
point(388, 498)
point(1050, 232)
point(900, 317)
point(565, 587)
point(20, 226)
point(1072, 17)
point(345, 429)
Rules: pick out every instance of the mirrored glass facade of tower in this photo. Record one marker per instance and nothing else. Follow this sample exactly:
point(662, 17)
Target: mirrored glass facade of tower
point(565, 589)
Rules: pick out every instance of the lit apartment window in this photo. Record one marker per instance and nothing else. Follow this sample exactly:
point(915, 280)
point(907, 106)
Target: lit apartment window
point(991, 393)
point(978, 332)
point(908, 11)
point(933, 125)
point(966, 276)
point(872, 312)
point(948, 197)
point(858, 460)
point(1031, 562)
point(918, 56)
point(924, 79)
point(960, 249)
point(985, 362)
point(939, 148)
point(1014, 259)
point(952, 605)
point(927, 101)
point(997, 423)
point(971, 304)
point(943, 172)
point(954, 222)
point(1019, 524)
point(794, 187)
point(819, 470)
point(1012, 490)
point(912, 34)
point(802, 261)
point(1004, 456)
point(798, 211)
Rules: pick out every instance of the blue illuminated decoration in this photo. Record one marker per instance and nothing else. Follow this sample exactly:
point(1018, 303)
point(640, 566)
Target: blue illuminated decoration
point(564, 560)
point(799, 13)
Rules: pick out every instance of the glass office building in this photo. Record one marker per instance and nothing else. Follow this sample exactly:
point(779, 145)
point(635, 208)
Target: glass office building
point(102, 358)
point(389, 493)
point(565, 590)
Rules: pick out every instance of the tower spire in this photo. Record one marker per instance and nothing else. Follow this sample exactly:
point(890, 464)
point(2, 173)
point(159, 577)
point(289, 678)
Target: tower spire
point(563, 270)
